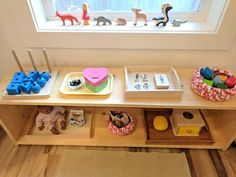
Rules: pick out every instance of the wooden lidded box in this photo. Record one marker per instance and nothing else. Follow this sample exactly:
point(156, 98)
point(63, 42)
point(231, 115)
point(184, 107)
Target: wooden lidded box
point(186, 122)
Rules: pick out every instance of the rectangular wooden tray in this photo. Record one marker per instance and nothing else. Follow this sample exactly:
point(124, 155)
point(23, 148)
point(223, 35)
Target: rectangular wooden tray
point(175, 89)
point(84, 90)
point(167, 137)
point(83, 132)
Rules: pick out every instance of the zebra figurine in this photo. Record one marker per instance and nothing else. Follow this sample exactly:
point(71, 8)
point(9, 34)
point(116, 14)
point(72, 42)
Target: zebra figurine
point(164, 10)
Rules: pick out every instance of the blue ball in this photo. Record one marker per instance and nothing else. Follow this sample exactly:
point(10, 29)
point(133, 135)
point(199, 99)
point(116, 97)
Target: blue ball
point(45, 75)
point(41, 81)
point(35, 88)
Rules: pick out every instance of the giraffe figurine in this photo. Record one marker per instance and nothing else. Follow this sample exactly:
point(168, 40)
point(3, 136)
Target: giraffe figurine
point(164, 10)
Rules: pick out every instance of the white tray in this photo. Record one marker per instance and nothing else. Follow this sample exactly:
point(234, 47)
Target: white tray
point(84, 90)
point(44, 92)
point(174, 90)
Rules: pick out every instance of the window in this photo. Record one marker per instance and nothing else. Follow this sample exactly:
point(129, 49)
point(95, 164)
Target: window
point(126, 5)
point(190, 9)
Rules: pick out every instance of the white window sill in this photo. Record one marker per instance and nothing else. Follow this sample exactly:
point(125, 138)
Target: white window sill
point(188, 27)
point(189, 36)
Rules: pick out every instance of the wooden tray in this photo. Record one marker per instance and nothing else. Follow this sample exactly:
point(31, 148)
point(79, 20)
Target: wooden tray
point(174, 90)
point(44, 92)
point(167, 137)
point(83, 132)
point(84, 90)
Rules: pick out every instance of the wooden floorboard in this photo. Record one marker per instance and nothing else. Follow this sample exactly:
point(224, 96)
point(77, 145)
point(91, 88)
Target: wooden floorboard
point(43, 161)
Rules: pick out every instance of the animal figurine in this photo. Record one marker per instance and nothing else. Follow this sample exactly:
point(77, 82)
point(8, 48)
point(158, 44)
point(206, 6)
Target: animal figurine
point(139, 16)
point(164, 10)
point(121, 21)
point(177, 23)
point(49, 116)
point(69, 17)
point(85, 16)
point(119, 119)
point(103, 20)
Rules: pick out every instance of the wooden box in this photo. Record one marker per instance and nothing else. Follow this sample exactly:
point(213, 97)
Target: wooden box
point(186, 122)
point(140, 75)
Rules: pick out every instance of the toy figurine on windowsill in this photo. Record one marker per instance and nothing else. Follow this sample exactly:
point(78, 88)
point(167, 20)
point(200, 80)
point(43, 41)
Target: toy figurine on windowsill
point(121, 21)
point(139, 16)
point(102, 19)
point(85, 16)
point(69, 17)
point(164, 10)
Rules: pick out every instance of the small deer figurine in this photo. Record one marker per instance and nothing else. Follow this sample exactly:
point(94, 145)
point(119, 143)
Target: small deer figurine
point(139, 16)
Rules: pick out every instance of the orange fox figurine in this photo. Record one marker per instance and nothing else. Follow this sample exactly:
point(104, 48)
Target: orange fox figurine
point(65, 17)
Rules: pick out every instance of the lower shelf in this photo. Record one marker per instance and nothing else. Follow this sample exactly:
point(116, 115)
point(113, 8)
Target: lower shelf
point(99, 135)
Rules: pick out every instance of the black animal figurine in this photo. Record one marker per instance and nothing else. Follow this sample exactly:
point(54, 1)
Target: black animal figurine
point(103, 20)
point(164, 10)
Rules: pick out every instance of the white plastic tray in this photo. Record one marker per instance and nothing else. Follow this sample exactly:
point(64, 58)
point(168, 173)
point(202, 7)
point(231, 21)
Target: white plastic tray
point(84, 90)
point(174, 90)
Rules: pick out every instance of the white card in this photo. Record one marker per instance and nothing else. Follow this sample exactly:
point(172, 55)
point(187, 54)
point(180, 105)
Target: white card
point(162, 81)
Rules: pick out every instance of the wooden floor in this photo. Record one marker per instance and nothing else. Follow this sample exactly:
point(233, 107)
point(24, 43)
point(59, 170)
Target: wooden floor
point(43, 161)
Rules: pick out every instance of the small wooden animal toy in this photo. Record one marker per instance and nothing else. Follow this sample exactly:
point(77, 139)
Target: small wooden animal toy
point(49, 116)
point(139, 16)
point(103, 20)
point(119, 119)
point(164, 10)
point(121, 21)
point(177, 23)
point(85, 16)
point(69, 17)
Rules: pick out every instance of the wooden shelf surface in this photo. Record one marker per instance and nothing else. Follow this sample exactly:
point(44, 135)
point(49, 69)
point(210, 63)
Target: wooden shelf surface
point(117, 98)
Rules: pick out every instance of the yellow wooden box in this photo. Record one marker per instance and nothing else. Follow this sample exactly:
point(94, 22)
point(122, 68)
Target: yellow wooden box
point(186, 122)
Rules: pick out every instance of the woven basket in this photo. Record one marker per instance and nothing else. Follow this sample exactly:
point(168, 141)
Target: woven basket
point(208, 92)
point(123, 130)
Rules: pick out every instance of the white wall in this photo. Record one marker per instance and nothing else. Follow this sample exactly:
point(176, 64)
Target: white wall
point(17, 32)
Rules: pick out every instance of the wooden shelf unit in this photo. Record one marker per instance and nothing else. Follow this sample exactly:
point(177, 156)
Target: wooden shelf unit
point(17, 116)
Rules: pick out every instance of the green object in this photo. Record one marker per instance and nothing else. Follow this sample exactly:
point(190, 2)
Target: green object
point(208, 82)
point(222, 86)
point(97, 88)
